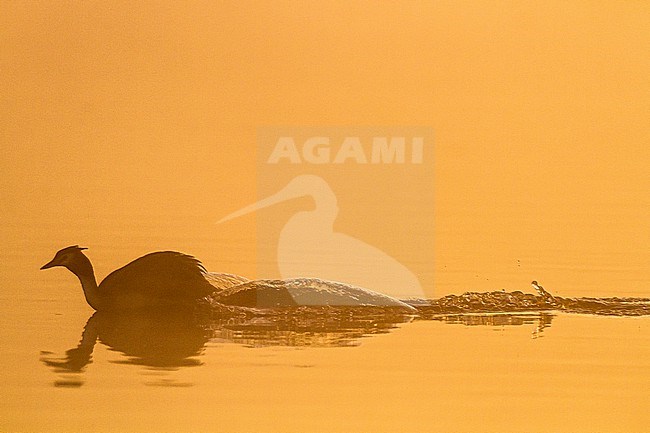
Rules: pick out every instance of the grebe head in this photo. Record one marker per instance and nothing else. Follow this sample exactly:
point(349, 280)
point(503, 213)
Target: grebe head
point(70, 257)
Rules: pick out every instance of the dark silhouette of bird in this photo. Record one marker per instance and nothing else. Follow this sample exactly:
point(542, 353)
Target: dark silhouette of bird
point(156, 280)
point(169, 279)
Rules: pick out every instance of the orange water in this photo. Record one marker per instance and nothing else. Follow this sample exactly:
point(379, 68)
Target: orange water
point(131, 127)
point(529, 372)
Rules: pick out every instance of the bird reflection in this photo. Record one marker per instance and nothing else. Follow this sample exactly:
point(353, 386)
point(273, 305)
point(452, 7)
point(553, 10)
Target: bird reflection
point(170, 341)
point(174, 340)
point(159, 341)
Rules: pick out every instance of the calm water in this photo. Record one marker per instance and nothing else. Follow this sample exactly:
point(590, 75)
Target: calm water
point(134, 129)
point(508, 372)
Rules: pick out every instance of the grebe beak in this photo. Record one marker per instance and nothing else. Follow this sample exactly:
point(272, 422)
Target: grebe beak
point(49, 265)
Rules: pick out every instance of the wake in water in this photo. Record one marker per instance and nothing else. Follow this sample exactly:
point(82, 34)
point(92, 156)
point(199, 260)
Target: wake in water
point(496, 302)
point(467, 303)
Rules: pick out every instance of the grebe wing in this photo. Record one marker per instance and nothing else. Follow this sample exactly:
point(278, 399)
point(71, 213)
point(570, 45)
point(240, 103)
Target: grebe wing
point(165, 275)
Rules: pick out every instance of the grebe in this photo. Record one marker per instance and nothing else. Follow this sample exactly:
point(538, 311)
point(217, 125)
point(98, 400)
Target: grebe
point(169, 279)
point(156, 280)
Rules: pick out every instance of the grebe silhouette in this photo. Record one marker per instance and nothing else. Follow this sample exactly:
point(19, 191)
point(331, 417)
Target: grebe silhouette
point(309, 247)
point(157, 280)
point(171, 280)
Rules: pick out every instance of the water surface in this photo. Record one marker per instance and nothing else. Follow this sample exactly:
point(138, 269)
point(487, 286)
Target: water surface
point(509, 372)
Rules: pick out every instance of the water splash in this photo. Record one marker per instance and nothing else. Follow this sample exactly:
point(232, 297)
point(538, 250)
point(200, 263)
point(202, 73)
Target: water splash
point(501, 302)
